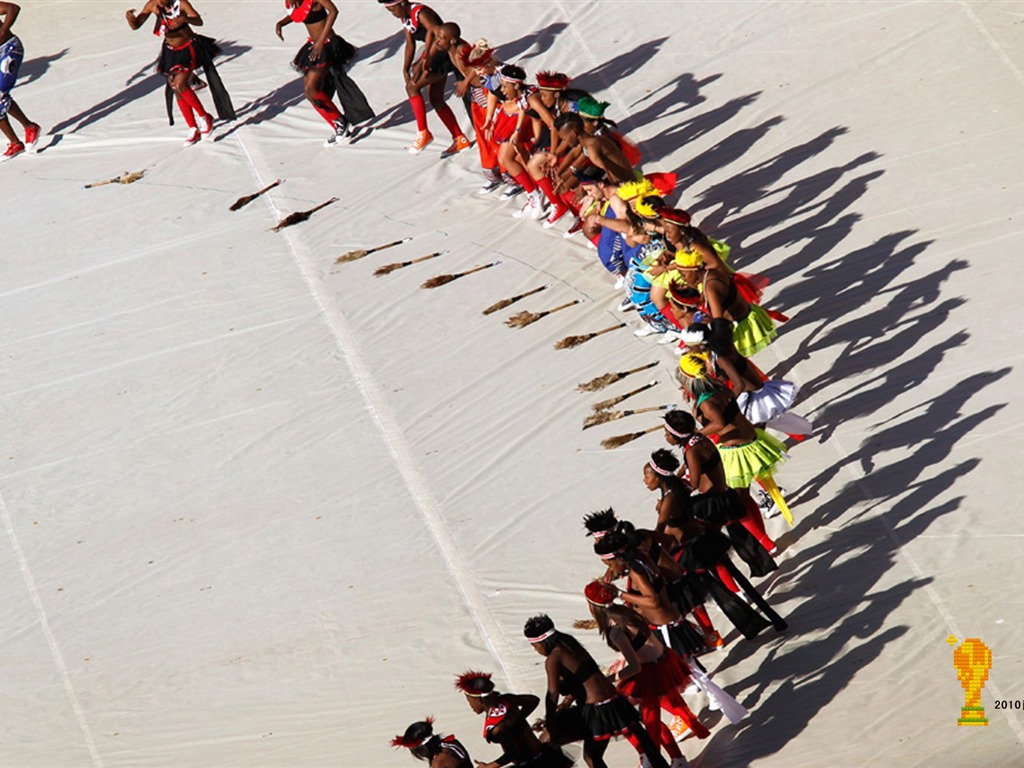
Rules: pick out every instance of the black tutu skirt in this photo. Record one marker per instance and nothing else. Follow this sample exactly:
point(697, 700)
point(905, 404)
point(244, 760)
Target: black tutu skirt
point(718, 509)
point(612, 717)
point(750, 550)
point(202, 51)
point(682, 637)
point(181, 59)
point(686, 593)
point(337, 52)
point(658, 678)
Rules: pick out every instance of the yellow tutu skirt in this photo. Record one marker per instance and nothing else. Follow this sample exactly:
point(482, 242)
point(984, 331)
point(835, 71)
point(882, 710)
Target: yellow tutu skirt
point(743, 464)
point(754, 332)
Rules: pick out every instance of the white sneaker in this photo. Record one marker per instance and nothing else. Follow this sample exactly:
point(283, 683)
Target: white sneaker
point(626, 305)
point(206, 125)
point(540, 205)
point(620, 282)
point(193, 137)
point(671, 337)
point(488, 187)
point(644, 330)
point(340, 131)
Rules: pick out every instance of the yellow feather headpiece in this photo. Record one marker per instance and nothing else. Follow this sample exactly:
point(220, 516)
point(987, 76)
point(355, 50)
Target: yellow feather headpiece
point(641, 188)
point(694, 365)
point(689, 259)
point(646, 209)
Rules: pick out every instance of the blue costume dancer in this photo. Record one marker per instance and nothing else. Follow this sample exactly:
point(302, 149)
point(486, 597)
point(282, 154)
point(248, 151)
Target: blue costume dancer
point(11, 55)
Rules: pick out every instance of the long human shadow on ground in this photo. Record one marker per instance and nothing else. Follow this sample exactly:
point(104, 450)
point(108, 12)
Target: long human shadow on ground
point(34, 69)
point(141, 83)
point(901, 471)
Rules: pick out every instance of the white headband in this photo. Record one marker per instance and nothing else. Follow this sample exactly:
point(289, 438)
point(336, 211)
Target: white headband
point(543, 637)
point(656, 468)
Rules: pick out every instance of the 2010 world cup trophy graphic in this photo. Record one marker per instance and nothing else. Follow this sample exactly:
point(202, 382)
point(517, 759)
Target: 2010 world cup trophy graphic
point(972, 660)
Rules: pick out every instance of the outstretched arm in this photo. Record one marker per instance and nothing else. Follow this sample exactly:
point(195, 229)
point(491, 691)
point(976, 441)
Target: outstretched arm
point(135, 21)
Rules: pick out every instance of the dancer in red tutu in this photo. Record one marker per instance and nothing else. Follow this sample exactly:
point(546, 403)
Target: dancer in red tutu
point(322, 61)
point(182, 53)
point(653, 675)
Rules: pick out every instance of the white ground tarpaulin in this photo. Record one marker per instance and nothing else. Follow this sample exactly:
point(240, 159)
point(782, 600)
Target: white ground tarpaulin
point(259, 509)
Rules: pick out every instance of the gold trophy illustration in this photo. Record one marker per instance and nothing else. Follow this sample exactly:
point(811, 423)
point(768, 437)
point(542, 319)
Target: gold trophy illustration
point(972, 660)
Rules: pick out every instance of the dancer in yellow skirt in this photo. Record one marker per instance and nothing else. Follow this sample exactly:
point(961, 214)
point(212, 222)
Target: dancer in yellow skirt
point(748, 453)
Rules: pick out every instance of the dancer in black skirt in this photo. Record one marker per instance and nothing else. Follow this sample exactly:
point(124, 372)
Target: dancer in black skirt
point(182, 53)
point(604, 712)
point(438, 751)
point(322, 60)
point(505, 724)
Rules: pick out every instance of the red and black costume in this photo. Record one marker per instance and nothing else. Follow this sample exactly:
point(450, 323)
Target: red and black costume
point(336, 55)
point(197, 52)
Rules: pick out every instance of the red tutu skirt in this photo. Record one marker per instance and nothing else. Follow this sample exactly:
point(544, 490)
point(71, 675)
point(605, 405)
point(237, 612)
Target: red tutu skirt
point(657, 678)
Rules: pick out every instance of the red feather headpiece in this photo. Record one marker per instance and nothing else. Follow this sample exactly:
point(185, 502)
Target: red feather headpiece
point(552, 81)
point(474, 683)
point(599, 593)
point(402, 741)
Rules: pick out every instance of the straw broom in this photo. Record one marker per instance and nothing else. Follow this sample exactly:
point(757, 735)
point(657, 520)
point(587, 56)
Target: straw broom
point(511, 300)
point(353, 255)
point(610, 378)
point(603, 417)
point(128, 177)
point(604, 405)
point(574, 341)
point(437, 282)
point(300, 216)
point(245, 200)
point(523, 319)
point(620, 440)
point(387, 269)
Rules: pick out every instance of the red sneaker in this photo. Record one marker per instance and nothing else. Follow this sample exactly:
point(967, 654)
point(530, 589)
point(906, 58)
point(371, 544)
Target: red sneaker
point(192, 138)
point(206, 125)
point(457, 146)
point(31, 137)
point(14, 149)
point(422, 139)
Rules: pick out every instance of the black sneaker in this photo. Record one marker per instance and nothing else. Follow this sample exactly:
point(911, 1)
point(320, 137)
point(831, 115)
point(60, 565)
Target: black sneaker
point(340, 132)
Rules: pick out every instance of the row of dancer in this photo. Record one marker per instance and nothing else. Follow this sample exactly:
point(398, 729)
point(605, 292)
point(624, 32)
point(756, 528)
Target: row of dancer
point(651, 606)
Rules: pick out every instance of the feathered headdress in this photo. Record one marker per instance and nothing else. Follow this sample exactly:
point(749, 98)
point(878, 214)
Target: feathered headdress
point(641, 188)
point(409, 741)
point(552, 81)
point(694, 365)
point(474, 683)
point(599, 593)
point(689, 259)
point(600, 523)
point(591, 108)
